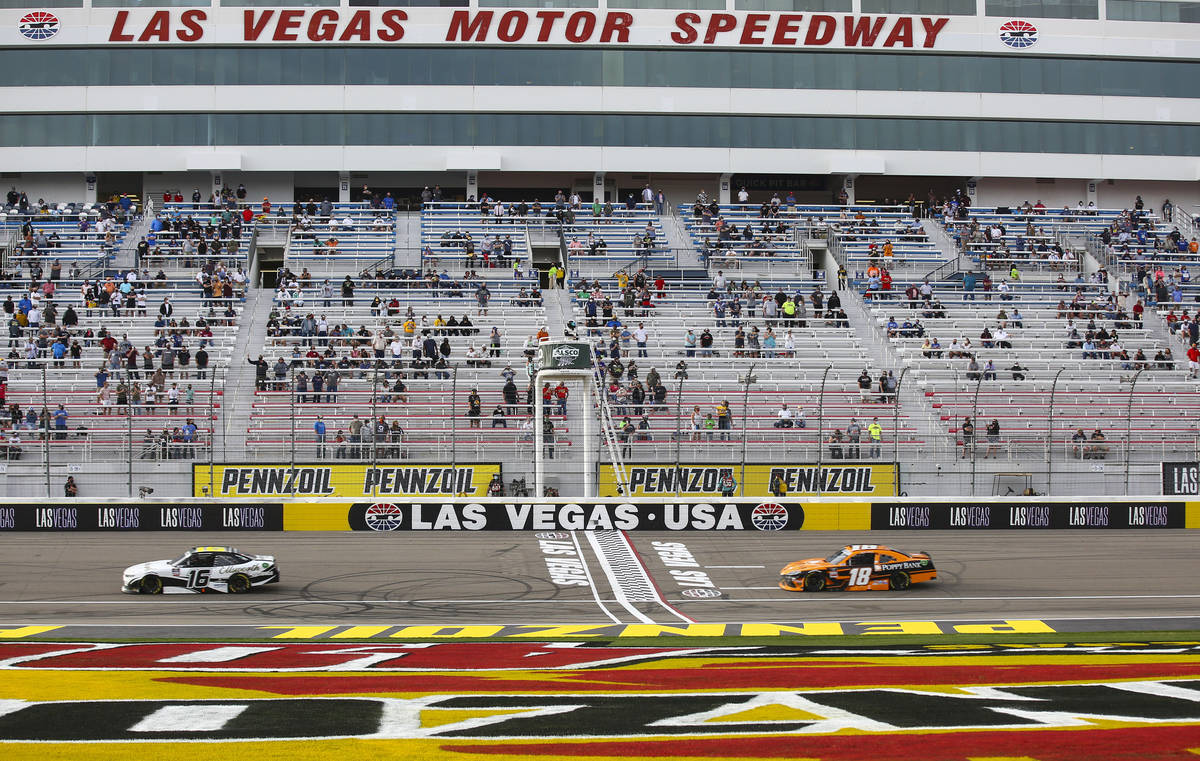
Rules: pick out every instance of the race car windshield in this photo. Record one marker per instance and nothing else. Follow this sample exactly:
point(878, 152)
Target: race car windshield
point(837, 557)
point(179, 560)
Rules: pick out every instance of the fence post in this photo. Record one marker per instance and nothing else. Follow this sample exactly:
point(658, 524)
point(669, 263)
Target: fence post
point(453, 434)
point(1129, 426)
point(292, 416)
point(896, 433)
point(44, 421)
point(374, 418)
point(975, 430)
point(678, 436)
point(1050, 434)
point(129, 431)
point(820, 429)
point(745, 424)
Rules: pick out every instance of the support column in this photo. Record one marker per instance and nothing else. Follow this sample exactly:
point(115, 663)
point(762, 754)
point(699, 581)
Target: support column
point(973, 190)
point(848, 183)
point(343, 188)
point(215, 186)
point(723, 192)
point(598, 187)
point(473, 187)
point(89, 187)
point(1093, 193)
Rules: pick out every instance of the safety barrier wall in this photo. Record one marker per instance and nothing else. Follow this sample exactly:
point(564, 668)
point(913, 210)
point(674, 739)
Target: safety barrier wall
point(630, 515)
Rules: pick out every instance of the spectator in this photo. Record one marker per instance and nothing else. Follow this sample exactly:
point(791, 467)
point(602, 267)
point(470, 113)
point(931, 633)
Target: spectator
point(70, 488)
point(875, 433)
point(319, 435)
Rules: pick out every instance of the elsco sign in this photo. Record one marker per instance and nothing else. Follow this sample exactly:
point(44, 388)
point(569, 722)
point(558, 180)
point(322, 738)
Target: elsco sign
point(566, 356)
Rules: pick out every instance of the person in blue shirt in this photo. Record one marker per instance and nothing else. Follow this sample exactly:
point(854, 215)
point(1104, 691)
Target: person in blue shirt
point(60, 423)
point(319, 431)
point(969, 286)
point(389, 203)
point(59, 350)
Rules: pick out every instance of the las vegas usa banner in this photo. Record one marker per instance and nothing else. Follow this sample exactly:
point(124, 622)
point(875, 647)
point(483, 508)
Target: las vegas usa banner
point(431, 26)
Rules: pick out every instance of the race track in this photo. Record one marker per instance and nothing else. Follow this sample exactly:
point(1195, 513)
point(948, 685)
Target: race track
point(355, 579)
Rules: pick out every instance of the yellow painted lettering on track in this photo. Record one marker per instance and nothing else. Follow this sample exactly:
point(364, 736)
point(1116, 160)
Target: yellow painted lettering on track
point(299, 632)
point(899, 627)
point(553, 632)
point(1022, 626)
point(688, 630)
point(776, 630)
point(360, 632)
point(26, 631)
point(446, 632)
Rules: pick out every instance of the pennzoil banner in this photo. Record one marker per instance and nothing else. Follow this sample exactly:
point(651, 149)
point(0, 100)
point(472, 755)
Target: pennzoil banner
point(704, 480)
point(357, 481)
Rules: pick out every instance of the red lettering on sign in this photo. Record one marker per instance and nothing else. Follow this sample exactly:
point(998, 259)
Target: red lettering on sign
point(756, 23)
point(253, 26)
point(286, 26)
point(393, 29)
point(785, 25)
point(717, 23)
point(902, 34)
point(580, 26)
point(117, 33)
point(616, 24)
point(462, 26)
point(512, 26)
point(820, 30)
point(687, 33)
point(863, 31)
point(322, 25)
point(547, 18)
point(933, 27)
point(159, 27)
point(192, 30)
point(359, 26)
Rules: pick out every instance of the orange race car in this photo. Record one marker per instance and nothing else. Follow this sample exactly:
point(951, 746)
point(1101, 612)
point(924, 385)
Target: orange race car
point(858, 566)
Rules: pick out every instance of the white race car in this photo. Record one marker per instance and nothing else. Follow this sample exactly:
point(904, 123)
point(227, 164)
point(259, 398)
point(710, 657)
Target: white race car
point(201, 569)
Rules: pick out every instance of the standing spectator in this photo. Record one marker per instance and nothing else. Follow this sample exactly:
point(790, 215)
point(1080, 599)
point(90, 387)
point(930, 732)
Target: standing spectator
point(993, 434)
point(853, 436)
point(875, 433)
point(474, 408)
point(724, 419)
point(70, 488)
point(319, 435)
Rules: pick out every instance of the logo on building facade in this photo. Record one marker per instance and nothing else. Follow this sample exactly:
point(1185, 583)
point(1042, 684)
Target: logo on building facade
point(383, 517)
point(38, 25)
point(1018, 34)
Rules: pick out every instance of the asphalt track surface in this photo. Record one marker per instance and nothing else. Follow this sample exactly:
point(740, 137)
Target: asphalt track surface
point(503, 578)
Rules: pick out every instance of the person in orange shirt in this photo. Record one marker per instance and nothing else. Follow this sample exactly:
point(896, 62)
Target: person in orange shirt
point(887, 248)
point(872, 271)
point(1193, 247)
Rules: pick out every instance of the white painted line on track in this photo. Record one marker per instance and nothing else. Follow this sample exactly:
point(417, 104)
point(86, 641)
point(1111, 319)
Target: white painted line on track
point(774, 587)
point(591, 581)
point(734, 566)
point(613, 582)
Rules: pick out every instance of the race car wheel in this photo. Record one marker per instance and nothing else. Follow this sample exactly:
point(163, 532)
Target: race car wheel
point(238, 583)
point(899, 580)
point(814, 582)
point(150, 585)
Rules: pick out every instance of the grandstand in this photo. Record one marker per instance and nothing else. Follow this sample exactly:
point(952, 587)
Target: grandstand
point(772, 245)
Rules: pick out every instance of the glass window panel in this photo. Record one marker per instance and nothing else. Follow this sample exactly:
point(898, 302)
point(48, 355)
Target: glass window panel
point(263, 3)
point(792, 5)
point(148, 3)
point(538, 3)
point(410, 3)
point(25, 4)
point(672, 4)
point(938, 7)
point(1082, 9)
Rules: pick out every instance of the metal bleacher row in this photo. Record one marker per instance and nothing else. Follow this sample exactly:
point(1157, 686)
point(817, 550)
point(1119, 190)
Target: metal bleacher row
point(369, 340)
